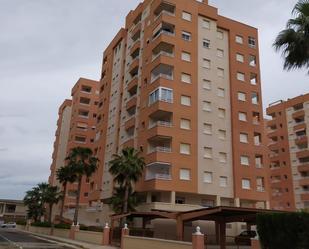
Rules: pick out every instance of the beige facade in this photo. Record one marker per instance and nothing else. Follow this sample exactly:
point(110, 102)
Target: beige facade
point(12, 210)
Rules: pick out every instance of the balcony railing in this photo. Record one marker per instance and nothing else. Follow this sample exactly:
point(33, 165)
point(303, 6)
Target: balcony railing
point(155, 56)
point(161, 123)
point(260, 188)
point(161, 75)
point(164, 12)
point(163, 32)
point(158, 176)
point(160, 149)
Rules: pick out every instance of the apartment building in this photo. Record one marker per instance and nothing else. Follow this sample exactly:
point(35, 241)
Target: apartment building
point(289, 153)
point(75, 128)
point(12, 210)
point(182, 84)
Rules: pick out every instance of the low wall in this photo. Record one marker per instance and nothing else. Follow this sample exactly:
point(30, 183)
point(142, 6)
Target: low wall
point(63, 233)
point(90, 237)
point(131, 242)
point(40, 230)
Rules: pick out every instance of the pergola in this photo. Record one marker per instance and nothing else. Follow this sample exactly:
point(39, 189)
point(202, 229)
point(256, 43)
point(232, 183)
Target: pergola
point(220, 215)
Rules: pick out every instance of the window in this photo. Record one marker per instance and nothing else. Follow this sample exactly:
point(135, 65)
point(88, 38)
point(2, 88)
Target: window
point(241, 76)
point(253, 78)
point(184, 174)
point(260, 184)
point(257, 138)
point(207, 128)
point(245, 183)
point(220, 34)
point(243, 137)
point(186, 56)
point(223, 181)
point(186, 16)
point(239, 39)
point(244, 160)
point(207, 106)
point(220, 72)
point(79, 139)
point(186, 36)
point(251, 42)
point(221, 92)
point(185, 100)
point(258, 161)
point(241, 96)
point(186, 78)
point(255, 98)
point(86, 89)
point(83, 114)
point(207, 84)
point(206, 24)
point(84, 101)
point(242, 116)
point(240, 58)
point(222, 157)
point(220, 53)
point(206, 43)
point(180, 200)
point(207, 177)
point(207, 152)
point(252, 60)
point(161, 94)
point(206, 63)
point(222, 134)
point(221, 113)
point(185, 149)
point(185, 124)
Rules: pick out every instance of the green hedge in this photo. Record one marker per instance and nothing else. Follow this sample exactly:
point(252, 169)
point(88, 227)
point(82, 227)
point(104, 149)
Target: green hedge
point(62, 226)
point(283, 230)
point(41, 224)
point(21, 222)
point(91, 228)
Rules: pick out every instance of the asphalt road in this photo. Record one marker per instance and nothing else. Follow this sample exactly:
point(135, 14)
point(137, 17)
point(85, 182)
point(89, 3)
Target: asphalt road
point(11, 238)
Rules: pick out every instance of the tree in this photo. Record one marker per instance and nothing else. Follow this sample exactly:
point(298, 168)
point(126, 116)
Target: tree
point(33, 201)
point(83, 163)
point(51, 196)
point(294, 40)
point(65, 175)
point(127, 168)
point(117, 203)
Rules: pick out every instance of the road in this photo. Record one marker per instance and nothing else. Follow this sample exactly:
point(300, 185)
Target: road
point(11, 238)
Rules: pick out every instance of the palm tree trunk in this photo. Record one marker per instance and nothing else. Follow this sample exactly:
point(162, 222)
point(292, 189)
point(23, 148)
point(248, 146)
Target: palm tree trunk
point(63, 199)
point(75, 220)
point(126, 199)
point(50, 213)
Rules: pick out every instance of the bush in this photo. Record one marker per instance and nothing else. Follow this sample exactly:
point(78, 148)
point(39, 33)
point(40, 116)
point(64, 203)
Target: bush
point(91, 228)
point(283, 230)
point(41, 224)
point(21, 222)
point(63, 226)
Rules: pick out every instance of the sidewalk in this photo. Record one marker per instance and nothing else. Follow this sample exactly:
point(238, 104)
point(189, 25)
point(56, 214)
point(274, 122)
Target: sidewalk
point(70, 242)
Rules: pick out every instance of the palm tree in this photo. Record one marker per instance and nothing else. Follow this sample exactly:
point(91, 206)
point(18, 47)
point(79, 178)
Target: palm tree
point(65, 175)
point(33, 201)
point(51, 196)
point(117, 204)
point(294, 40)
point(127, 169)
point(83, 163)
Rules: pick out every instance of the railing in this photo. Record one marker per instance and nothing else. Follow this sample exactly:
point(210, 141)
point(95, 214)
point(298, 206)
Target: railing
point(260, 189)
point(132, 78)
point(155, 56)
point(158, 177)
point(161, 149)
point(161, 75)
point(273, 155)
point(164, 32)
point(161, 123)
point(164, 12)
point(134, 42)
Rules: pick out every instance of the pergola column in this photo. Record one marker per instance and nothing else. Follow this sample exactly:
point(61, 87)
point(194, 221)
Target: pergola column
point(222, 235)
point(180, 229)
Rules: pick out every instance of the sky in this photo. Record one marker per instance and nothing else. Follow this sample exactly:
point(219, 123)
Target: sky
point(46, 45)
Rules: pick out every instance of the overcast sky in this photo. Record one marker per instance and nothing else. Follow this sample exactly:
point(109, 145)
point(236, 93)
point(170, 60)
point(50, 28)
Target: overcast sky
point(46, 45)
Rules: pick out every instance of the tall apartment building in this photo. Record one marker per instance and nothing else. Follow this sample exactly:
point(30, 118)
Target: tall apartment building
point(75, 128)
point(289, 153)
point(182, 84)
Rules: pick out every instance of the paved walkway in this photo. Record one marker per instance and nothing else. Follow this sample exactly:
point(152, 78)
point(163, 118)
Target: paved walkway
point(71, 242)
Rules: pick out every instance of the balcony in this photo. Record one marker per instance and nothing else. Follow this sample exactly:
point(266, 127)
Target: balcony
point(131, 103)
point(304, 182)
point(302, 141)
point(162, 71)
point(165, 8)
point(161, 119)
point(135, 53)
point(305, 197)
point(298, 115)
point(303, 168)
point(164, 49)
point(303, 154)
point(158, 171)
point(130, 123)
point(136, 36)
point(165, 29)
point(160, 144)
point(134, 67)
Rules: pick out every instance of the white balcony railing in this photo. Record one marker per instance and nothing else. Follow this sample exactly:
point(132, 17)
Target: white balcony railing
point(161, 75)
point(158, 176)
point(166, 13)
point(163, 32)
point(161, 123)
point(155, 56)
point(160, 149)
point(260, 188)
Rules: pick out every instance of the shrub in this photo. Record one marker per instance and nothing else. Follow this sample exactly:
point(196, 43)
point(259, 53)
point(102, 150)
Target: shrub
point(41, 224)
point(283, 230)
point(63, 226)
point(91, 228)
point(21, 222)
